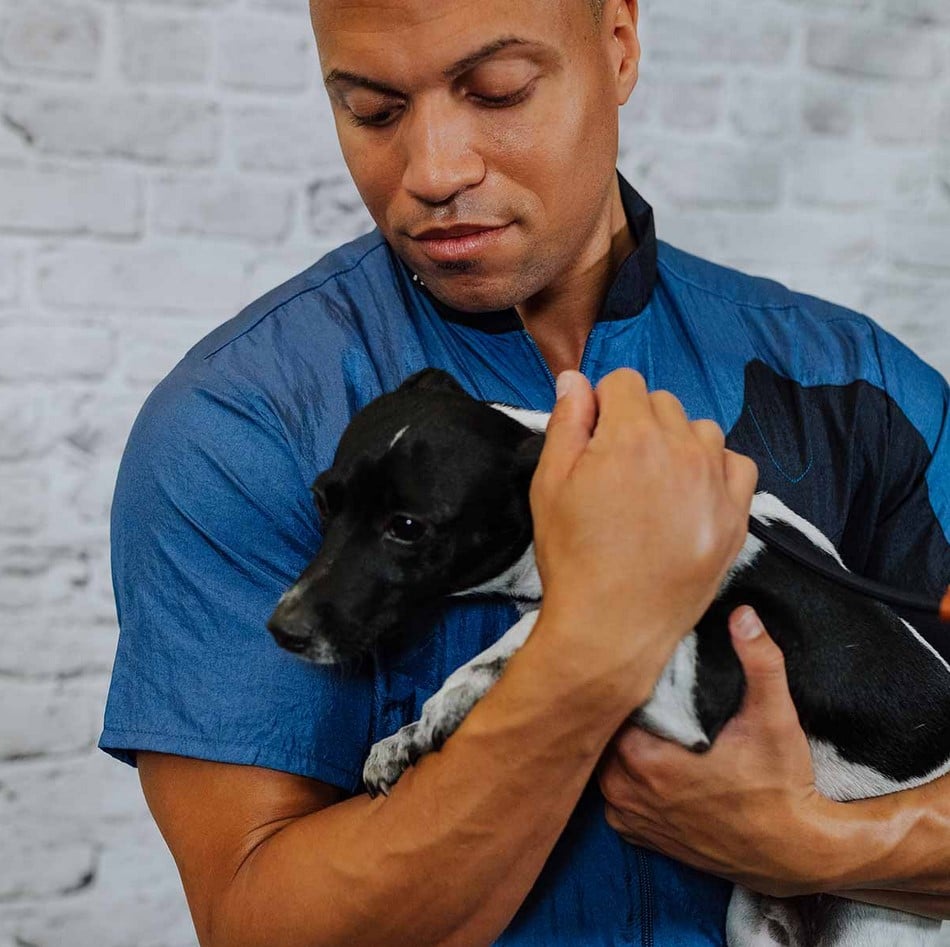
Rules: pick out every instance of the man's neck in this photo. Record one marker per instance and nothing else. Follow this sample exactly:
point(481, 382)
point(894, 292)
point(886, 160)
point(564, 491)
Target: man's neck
point(560, 318)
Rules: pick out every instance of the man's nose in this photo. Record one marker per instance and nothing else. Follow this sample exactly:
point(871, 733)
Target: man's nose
point(440, 152)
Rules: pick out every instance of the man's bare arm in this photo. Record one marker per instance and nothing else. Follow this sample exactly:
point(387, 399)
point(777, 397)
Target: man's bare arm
point(733, 811)
point(904, 835)
point(451, 854)
point(269, 858)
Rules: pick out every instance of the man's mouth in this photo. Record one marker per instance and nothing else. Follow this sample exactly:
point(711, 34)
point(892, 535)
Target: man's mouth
point(459, 242)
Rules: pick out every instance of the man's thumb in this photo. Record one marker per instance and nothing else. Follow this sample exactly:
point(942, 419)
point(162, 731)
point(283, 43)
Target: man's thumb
point(763, 664)
point(570, 427)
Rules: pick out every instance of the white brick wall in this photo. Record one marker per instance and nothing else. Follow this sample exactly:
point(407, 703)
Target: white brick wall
point(163, 162)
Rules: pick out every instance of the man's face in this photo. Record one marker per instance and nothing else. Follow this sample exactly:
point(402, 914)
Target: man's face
point(491, 116)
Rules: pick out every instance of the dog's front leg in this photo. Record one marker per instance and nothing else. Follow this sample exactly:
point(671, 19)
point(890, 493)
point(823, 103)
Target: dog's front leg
point(443, 711)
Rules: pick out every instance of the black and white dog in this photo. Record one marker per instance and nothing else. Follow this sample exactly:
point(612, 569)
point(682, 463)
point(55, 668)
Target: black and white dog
point(428, 498)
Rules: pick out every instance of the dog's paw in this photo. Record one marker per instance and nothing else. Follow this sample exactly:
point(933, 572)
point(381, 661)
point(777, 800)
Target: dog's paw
point(445, 710)
point(388, 760)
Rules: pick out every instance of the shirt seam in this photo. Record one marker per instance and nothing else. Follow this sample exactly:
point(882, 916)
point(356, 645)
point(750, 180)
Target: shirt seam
point(739, 302)
point(332, 276)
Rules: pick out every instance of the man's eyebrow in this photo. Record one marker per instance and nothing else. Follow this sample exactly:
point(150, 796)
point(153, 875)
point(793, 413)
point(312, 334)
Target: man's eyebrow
point(485, 52)
point(342, 77)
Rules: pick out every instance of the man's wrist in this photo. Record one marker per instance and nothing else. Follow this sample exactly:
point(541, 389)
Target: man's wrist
point(857, 839)
point(594, 670)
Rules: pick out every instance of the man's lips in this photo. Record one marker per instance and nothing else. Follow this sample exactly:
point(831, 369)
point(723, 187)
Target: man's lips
point(457, 230)
point(459, 242)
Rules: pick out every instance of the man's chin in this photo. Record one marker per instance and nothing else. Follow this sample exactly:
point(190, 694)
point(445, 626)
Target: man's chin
point(471, 289)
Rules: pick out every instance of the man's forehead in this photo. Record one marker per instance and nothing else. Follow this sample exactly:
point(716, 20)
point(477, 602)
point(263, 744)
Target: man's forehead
point(416, 24)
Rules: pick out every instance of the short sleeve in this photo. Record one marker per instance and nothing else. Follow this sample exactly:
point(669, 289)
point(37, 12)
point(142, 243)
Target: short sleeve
point(211, 521)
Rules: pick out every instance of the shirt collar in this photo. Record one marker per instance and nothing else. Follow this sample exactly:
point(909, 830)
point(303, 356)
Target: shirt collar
point(628, 294)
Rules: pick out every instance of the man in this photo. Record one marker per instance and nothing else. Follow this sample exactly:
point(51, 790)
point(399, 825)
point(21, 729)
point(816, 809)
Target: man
point(483, 138)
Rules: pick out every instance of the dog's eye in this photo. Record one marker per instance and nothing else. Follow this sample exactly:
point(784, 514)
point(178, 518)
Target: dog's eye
point(320, 501)
point(405, 529)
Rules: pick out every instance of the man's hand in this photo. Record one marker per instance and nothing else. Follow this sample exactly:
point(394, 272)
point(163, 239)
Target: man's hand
point(746, 810)
point(638, 513)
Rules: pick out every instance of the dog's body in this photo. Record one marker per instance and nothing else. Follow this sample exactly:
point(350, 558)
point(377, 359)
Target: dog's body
point(437, 483)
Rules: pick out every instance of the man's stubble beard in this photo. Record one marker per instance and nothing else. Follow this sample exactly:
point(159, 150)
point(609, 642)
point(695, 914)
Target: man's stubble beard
point(531, 278)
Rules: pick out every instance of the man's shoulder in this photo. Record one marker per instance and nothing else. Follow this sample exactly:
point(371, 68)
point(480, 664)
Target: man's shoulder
point(319, 298)
point(756, 296)
point(295, 361)
point(802, 336)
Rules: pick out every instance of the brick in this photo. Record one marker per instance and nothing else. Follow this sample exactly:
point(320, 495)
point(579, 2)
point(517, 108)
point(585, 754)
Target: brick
point(756, 240)
point(154, 349)
point(75, 640)
point(822, 5)
point(40, 718)
point(24, 499)
point(96, 425)
point(165, 49)
point(144, 128)
point(66, 201)
point(41, 870)
point(271, 268)
point(762, 108)
point(829, 109)
point(904, 115)
point(223, 207)
point(828, 175)
point(924, 12)
point(297, 7)
point(335, 209)
point(109, 792)
point(922, 245)
point(9, 276)
point(31, 351)
point(286, 139)
point(28, 421)
point(717, 38)
point(41, 573)
point(185, 276)
point(265, 54)
point(690, 103)
point(873, 52)
point(58, 38)
point(916, 313)
point(714, 175)
point(98, 917)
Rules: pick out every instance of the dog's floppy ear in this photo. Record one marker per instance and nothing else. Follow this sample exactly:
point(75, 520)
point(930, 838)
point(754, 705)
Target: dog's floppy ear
point(527, 454)
point(432, 379)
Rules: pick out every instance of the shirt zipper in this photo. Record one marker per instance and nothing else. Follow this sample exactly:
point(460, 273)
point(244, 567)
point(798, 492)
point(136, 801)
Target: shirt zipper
point(547, 371)
point(646, 898)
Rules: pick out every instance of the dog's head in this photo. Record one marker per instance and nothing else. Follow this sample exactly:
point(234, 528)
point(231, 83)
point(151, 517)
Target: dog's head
point(427, 497)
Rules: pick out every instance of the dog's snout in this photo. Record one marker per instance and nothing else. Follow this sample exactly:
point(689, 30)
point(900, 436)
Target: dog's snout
point(291, 624)
point(289, 640)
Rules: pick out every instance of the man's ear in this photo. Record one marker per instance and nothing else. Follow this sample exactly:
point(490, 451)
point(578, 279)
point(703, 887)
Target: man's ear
point(626, 48)
point(432, 379)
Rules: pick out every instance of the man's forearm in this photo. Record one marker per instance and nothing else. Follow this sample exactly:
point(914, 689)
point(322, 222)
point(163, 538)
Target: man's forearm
point(451, 854)
point(904, 836)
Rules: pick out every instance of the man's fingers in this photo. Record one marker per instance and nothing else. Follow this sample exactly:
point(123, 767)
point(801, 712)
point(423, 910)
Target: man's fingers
point(569, 429)
point(709, 433)
point(622, 400)
point(767, 695)
point(742, 475)
point(669, 411)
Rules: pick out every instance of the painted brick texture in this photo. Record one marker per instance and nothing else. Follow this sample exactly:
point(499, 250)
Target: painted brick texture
point(164, 162)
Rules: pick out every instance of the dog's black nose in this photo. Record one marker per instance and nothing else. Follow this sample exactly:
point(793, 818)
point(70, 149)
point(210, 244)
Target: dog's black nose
point(287, 639)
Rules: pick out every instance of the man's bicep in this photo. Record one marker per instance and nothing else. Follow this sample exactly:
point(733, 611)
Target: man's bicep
point(213, 815)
